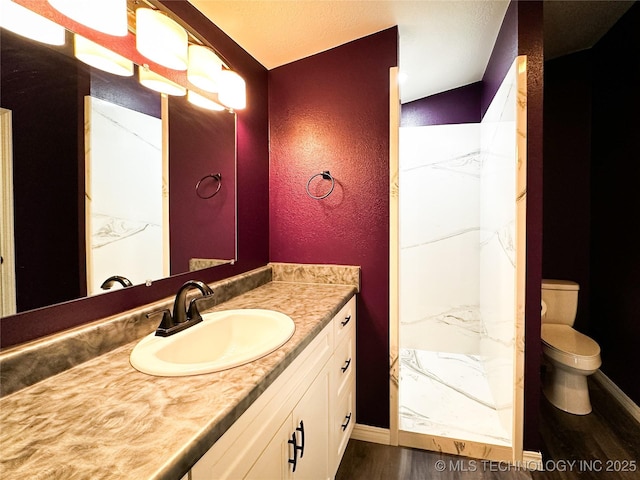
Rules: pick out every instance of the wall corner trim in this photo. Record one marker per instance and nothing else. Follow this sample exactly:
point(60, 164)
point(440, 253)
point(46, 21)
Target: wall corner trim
point(368, 433)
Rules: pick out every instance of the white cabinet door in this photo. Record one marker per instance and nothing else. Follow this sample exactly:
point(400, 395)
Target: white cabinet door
point(273, 463)
point(300, 448)
point(312, 414)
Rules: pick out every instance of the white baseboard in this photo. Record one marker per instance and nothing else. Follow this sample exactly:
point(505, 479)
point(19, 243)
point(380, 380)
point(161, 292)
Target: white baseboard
point(532, 460)
point(371, 434)
point(622, 398)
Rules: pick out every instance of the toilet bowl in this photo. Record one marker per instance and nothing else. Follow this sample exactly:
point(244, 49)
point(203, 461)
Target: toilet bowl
point(570, 355)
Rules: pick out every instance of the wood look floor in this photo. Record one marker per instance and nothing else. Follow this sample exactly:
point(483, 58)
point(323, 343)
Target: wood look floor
point(608, 438)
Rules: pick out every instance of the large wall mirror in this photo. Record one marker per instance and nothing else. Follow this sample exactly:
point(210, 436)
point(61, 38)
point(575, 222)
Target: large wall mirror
point(44, 93)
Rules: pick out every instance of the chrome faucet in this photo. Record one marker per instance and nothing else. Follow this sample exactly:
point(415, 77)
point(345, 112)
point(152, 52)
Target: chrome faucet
point(111, 281)
point(183, 317)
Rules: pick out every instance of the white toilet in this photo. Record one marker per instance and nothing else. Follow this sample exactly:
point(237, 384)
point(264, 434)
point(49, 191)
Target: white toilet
point(570, 355)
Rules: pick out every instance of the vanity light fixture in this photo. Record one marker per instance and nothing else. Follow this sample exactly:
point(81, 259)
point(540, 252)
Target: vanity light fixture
point(232, 91)
point(24, 22)
point(158, 83)
point(107, 17)
point(161, 39)
point(203, 102)
point(204, 68)
point(100, 57)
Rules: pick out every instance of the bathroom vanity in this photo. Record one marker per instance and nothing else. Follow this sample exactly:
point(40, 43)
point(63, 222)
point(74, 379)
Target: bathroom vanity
point(104, 419)
point(302, 422)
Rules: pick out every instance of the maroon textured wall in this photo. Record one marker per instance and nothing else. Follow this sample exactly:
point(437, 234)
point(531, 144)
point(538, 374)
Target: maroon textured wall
point(253, 205)
point(331, 112)
point(202, 143)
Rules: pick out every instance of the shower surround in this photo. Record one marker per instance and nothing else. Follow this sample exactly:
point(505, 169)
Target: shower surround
point(460, 186)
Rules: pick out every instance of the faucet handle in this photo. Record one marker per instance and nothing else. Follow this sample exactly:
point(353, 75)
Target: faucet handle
point(193, 315)
point(166, 322)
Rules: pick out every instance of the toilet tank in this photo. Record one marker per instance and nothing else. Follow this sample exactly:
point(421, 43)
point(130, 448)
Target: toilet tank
point(561, 299)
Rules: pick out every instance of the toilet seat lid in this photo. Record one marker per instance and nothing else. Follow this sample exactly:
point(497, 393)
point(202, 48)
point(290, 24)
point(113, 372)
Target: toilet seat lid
point(566, 339)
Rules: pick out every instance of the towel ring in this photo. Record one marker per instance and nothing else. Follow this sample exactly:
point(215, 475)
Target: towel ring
point(327, 176)
point(215, 176)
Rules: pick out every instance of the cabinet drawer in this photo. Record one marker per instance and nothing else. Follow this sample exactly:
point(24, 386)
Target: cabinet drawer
point(344, 365)
point(343, 422)
point(344, 322)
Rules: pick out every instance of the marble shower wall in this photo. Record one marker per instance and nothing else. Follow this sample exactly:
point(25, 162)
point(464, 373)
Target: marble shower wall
point(498, 194)
point(126, 195)
point(457, 197)
point(439, 236)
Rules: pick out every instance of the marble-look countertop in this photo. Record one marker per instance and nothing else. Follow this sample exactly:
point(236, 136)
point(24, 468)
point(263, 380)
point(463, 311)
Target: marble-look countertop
point(103, 419)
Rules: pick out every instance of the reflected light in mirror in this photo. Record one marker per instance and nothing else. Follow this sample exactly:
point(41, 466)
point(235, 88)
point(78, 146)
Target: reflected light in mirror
point(204, 68)
point(99, 57)
point(232, 90)
point(158, 83)
point(107, 17)
point(24, 22)
point(161, 39)
point(203, 102)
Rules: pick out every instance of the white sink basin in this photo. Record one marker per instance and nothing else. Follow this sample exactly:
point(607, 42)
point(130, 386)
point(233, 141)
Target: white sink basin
point(222, 340)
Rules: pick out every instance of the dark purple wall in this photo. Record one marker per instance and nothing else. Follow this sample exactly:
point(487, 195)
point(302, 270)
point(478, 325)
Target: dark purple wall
point(567, 158)
point(530, 43)
point(44, 100)
point(331, 112)
point(591, 125)
point(460, 105)
point(615, 171)
point(504, 52)
point(253, 205)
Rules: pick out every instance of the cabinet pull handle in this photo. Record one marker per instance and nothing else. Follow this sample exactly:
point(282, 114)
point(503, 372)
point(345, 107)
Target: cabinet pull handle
point(301, 430)
point(346, 366)
point(293, 442)
point(346, 320)
point(346, 424)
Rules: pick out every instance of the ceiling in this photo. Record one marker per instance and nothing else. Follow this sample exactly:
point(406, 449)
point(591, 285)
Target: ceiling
point(443, 44)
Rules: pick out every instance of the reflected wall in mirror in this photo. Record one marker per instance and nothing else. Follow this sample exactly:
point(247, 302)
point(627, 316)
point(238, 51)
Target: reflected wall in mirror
point(44, 88)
